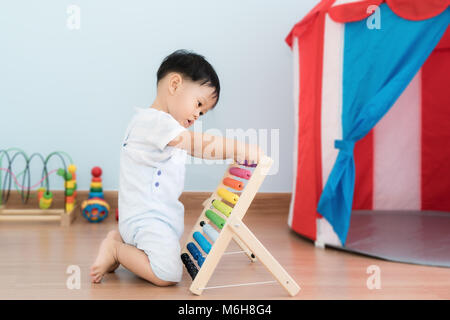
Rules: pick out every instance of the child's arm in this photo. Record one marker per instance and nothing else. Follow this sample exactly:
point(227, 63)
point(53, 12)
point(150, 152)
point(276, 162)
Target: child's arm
point(203, 145)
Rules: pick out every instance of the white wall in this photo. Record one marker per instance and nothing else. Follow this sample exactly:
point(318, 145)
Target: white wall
point(74, 90)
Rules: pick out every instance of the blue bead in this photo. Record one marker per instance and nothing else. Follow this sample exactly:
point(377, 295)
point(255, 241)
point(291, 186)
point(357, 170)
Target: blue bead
point(157, 184)
point(159, 172)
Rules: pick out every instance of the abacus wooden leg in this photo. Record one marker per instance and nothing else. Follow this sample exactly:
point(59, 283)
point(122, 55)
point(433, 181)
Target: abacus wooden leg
point(211, 262)
point(285, 280)
point(244, 248)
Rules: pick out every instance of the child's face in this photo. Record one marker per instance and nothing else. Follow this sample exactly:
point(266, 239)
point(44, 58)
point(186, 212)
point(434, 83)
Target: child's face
point(189, 100)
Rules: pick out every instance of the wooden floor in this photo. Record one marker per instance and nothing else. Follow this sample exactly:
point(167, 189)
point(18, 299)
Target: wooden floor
point(34, 257)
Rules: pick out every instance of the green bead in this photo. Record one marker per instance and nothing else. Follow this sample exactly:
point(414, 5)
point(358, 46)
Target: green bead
point(215, 218)
point(222, 207)
point(48, 195)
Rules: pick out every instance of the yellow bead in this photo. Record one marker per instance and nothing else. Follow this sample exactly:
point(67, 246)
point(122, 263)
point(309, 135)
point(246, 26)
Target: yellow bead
point(45, 203)
point(70, 184)
point(69, 207)
point(228, 195)
point(72, 168)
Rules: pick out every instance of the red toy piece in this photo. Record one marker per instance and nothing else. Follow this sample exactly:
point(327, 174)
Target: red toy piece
point(96, 171)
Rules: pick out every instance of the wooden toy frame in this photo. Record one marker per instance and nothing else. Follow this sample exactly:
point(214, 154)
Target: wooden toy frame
point(235, 229)
point(45, 198)
point(65, 218)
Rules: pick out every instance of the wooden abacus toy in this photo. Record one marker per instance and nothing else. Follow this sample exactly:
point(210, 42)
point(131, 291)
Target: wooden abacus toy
point(222, 223)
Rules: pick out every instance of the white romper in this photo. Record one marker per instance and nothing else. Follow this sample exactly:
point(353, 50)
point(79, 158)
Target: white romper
point(151, 180)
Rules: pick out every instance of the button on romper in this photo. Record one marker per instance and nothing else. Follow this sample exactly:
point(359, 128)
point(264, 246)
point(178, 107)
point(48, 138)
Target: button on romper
point(151, 180)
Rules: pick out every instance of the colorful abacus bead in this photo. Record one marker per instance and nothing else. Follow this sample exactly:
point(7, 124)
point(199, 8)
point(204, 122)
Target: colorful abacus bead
point(227, 195)
point(190, 266)
point(241, 173)
point(202, 242)
point(196, 254)
point(215, 218)
point(222, 207)
point(232, 183)
point(210, 232)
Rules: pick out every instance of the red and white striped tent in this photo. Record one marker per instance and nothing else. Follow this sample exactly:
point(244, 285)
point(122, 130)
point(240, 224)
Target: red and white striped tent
point(404, 161)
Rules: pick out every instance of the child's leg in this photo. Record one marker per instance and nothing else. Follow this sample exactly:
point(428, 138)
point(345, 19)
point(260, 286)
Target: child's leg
point(112, 253)
point(137, 262)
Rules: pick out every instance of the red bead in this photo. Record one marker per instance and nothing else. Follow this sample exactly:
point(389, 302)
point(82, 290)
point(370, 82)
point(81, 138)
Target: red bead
point(96, 171)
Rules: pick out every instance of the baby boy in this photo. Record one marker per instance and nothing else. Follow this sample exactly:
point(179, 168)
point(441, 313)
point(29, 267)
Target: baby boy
point(152, 170)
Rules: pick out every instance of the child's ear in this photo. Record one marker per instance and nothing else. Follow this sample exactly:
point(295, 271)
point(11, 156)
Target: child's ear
point(175, 82)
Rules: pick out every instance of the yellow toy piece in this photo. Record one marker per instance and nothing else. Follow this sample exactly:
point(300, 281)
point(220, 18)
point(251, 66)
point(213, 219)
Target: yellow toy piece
point(70, 184)
point(95, 201)
point(228, 195)
point(41, 191)
point(222, 207)
point(46, 201)
point(69, 207)
point(96, 185)
point(72, 168)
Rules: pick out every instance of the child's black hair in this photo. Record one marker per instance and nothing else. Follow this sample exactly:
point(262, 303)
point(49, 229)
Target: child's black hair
point(193, 66)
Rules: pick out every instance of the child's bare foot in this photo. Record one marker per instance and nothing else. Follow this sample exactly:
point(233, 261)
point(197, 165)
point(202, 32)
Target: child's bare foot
point(115, 235)
point(106, 259)
point(113, 267)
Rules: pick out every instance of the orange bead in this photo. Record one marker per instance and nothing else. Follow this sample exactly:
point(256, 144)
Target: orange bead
point(232, 183)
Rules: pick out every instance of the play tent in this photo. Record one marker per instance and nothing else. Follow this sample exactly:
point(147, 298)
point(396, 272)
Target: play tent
point(372, 112)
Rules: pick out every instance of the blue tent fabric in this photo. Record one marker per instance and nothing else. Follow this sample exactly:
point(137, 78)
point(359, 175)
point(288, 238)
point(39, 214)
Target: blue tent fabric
point(378, 66)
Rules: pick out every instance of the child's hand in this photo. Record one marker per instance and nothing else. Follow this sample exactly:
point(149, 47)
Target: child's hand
point(251, 153)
